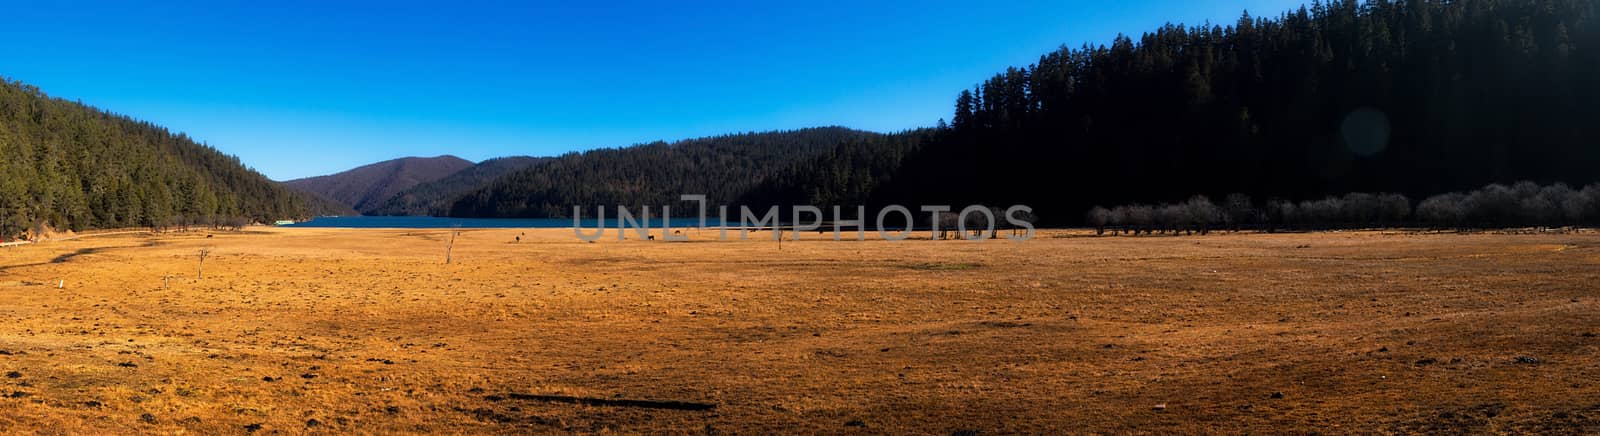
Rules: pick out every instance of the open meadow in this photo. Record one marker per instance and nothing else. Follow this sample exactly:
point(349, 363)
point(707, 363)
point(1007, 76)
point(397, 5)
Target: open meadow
point(295, 330)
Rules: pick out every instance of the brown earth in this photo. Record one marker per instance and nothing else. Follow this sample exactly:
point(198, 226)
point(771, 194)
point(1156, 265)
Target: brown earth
point(314, 330)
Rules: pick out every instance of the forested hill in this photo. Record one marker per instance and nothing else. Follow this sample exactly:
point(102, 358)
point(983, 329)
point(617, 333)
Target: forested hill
point(654, 174)
point(70, 166)
point(851, 173)
point(318, 205)
point(1411, 97)
point(367, 187)
point(436, 197)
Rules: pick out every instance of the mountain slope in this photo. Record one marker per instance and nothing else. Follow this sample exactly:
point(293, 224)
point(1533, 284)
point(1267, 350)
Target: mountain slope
point(318, 205)
point(846, 175)
point(654, 174)
point(67, 165)
point(367, 187)
point(435, 198)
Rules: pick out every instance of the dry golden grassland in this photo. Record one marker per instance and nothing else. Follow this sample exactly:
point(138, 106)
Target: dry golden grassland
point(319, 330)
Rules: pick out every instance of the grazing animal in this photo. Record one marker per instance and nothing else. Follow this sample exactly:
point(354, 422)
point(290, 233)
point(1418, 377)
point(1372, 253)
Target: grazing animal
point(652, 237)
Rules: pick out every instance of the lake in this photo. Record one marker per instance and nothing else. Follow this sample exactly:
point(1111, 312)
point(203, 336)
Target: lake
point(427, 222)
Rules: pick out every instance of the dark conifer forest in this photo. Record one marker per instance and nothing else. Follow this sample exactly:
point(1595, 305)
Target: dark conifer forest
point(69, 166)
point(852, 173)
point(1411, 97)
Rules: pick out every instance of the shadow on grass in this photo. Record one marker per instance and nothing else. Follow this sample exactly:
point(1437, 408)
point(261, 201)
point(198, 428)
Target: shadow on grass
point(942, 266)
point(587, 401)
point(66, 257)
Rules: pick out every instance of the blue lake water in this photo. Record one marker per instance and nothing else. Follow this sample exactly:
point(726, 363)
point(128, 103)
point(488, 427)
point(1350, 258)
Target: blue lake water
point(425, 222)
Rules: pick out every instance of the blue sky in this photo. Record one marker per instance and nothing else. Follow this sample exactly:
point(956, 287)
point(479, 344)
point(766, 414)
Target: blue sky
point(297, 89)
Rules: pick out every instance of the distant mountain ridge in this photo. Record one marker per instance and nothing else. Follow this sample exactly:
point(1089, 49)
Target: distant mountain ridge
point(435, 198)
point(720, 167)
point(367, 187)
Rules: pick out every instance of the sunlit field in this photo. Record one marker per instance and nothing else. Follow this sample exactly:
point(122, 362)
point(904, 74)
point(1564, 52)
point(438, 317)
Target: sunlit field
point(312, 330)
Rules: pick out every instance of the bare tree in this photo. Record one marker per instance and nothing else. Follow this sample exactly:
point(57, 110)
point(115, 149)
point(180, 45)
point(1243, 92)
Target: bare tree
point(201, 272)
point(1579, 207)
point(1238, 211)
point(1021, 215)
point(1141, 217)
point(1000, 221)
point(1118, 220)
point(1099, 217)
point(1443, 210)
point(1201, 214)
point(230, 223)
point(450, 248)
point(977, 223)
point(1545, 208)
point(1171, 218)
point(1520, 205)
point(947, 224)
point(1393, 209)
point(1494, 205)
point(1321, 214)
point(1359, 210)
